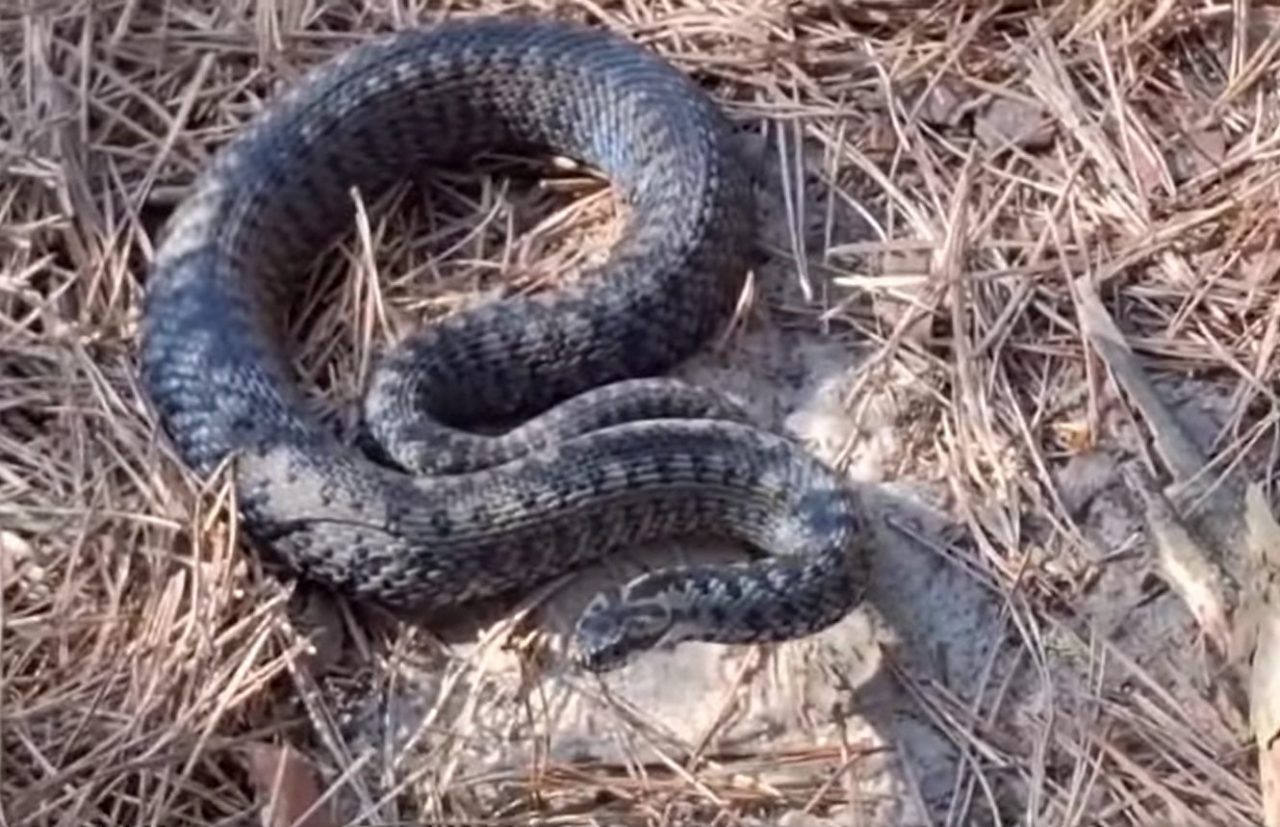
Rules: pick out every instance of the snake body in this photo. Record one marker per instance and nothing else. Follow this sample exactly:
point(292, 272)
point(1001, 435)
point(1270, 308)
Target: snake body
point(611, 455)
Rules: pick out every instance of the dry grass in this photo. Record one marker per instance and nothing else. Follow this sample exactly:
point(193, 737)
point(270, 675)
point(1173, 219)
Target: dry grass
point(997, 151)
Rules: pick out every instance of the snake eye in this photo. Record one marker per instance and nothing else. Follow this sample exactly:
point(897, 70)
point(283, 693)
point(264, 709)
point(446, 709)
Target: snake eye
point(645, 623)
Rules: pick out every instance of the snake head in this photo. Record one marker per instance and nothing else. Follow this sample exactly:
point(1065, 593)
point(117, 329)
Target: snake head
point(611, 631)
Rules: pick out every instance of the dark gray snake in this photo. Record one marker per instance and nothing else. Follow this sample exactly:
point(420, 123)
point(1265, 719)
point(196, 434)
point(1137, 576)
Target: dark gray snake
point(445, 515)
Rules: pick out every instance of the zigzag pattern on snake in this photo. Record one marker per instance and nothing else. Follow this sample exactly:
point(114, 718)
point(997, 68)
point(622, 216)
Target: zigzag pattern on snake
point(612, 454)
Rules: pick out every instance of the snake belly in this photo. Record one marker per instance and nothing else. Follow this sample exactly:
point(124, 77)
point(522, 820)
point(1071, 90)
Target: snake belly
point(612, 455)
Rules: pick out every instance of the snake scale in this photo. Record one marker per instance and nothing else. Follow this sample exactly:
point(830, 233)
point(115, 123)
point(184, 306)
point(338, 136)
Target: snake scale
point(611, 453)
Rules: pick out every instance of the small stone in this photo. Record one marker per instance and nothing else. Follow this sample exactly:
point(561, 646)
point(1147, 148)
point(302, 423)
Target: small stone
point(1009, 121)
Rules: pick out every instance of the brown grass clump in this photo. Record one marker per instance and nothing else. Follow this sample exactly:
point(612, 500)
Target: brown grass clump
point(983, 197)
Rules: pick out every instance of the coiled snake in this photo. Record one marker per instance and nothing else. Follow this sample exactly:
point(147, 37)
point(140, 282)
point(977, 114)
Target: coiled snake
point(447, 516)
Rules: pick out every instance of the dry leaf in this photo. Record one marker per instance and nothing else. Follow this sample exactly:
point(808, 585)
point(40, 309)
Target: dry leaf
point(1185, 564)
point(943, 105)
point(1204, 152)
point(910, 263)
point(289, 787)
point(1264, 678)
point(1259, 268)
point(1149, 170)
point(1074, 436)
point(20, 566)
point(14, 553)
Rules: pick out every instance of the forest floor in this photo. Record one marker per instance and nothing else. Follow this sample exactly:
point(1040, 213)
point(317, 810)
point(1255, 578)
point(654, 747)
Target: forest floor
point(1021, 284)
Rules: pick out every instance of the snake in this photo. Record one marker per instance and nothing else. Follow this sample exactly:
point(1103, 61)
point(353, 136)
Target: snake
point(507, 443)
